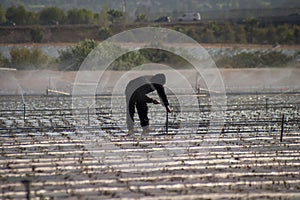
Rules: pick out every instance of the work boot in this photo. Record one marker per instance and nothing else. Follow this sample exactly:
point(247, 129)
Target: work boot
point(147, 129)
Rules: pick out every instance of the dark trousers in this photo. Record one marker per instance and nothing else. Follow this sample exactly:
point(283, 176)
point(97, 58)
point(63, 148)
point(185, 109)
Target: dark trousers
point(139, 102)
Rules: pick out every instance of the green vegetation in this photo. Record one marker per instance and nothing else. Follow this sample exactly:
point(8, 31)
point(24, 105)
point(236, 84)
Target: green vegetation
point(49, 15)
point(36, 34)
point(251, 30)
point(2, 15)
point(141, 18)
point(25, 59)
point(52, 13)
point(239, 33)
point(115, 16)
point(215, 8)
point(3, 61)
point(72, 58)
point(21, 16)
point(148, 55)
point(104, 33)
point(80, 16)
point(254, 60)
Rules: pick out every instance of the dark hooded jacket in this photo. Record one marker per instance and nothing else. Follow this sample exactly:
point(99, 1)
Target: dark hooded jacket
point(139, 87)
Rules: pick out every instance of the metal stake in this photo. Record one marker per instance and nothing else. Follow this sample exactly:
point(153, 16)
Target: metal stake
point(27, 188)
point(167, 122)
point(88, 113)
point(24, 112)
point(282, 128)
point(267, 99)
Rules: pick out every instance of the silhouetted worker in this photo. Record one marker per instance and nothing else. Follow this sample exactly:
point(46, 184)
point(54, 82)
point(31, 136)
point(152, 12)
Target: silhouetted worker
point(136, 96)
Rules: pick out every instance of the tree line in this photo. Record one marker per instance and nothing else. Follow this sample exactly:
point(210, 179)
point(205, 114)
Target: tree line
point(250, 31)
point(71, 58)
point(55, 15)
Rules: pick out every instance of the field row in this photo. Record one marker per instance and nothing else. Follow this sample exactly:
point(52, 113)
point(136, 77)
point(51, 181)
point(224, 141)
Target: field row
point(56, 151)
point(92, 164)
point(241, 114)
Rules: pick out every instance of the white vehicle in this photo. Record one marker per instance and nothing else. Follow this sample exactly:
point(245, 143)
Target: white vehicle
point(190, 17)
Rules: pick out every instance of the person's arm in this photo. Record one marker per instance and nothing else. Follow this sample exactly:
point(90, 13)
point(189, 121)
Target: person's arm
point(161, 93)
point(149, 100)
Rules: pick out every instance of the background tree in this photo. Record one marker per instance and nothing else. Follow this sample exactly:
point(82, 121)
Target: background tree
point(271, 35)
point(228, 34)
point(16, 14)
point(213, 32)
point(103, 19)
point(71, 58)
point(208, 36)
point(36, 34)
point(32, 18)
point(52, 13)
point(80, 16)
point(24, 58)
point(251, 24)
point(3, 61)
point(104, 33)
point(192, 33)
point(286, 34)
point(297, 34)
point(115, 15)
point(240, 35)
point(141, 18)
point(2, 15)
point(254, 59)
point(21, 16)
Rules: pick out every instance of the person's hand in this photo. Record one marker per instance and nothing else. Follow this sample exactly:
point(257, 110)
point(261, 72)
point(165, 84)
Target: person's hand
point(168, 109)
point(155, 101)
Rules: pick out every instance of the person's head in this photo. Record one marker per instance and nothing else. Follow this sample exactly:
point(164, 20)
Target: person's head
point(159, 79)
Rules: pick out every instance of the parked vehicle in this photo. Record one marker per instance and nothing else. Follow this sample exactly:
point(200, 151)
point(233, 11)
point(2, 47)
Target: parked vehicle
point(53, 22)
point(190, 17)
point(8, 23)
point(163, 19)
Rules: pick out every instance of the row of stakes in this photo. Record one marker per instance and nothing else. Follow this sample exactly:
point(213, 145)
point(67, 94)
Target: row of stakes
point(27, 182)
point(167, 120)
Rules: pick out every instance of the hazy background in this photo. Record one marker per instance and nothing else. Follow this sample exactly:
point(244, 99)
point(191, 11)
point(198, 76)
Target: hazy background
point(36, 76)
point(210, 8)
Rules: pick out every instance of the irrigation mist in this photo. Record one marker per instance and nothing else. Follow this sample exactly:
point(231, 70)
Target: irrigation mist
point(235, 80)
